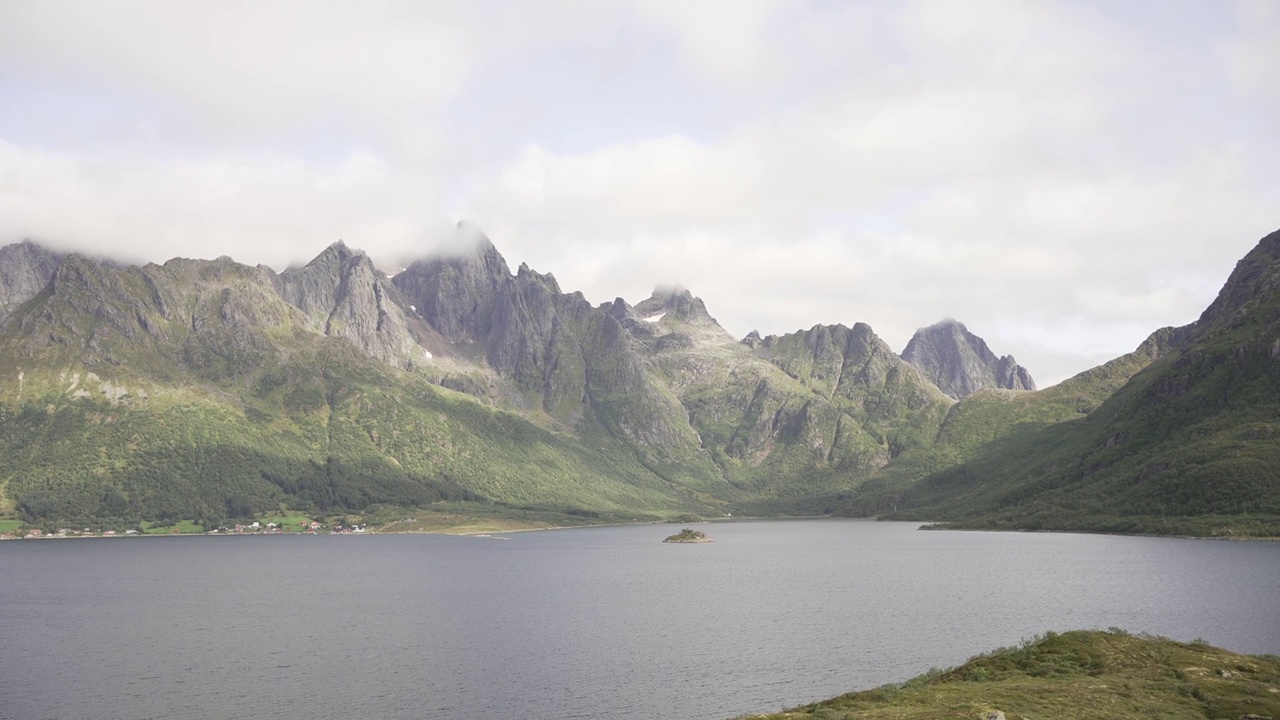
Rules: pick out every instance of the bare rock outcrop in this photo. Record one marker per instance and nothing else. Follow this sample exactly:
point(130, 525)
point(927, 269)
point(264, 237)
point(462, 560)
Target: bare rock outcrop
point(960, 363)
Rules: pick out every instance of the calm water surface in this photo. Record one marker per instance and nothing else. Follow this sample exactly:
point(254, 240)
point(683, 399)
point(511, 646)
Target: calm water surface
point(583, 623)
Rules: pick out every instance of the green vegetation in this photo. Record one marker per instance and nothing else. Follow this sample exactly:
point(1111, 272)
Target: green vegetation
point(457, 517)
point(1085, 675)
point(287, 523)
point(196, 395)
point(799, 418)
point(182, 527)
point(1189, 445)
point(688, 535)
point(373, 438)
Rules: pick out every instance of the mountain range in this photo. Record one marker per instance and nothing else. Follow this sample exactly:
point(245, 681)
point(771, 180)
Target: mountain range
point(207, 390)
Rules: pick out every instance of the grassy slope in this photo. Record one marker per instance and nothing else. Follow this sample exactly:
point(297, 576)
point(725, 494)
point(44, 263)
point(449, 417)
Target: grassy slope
point(191, 391)
point(800, 424)
point(731, 398)
point(887, 408)
point(1190, 445)
point(992, 421)
point(181, 453)
point(1087, 675)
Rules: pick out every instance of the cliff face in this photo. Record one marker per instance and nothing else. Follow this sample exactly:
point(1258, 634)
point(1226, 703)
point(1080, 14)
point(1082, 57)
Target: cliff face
point(960, 363)
point(194, 385)
point(342, 295)
point(799, 416)
point(882, 402)
point(456, 293)
point(558, 353)
point(25, 268)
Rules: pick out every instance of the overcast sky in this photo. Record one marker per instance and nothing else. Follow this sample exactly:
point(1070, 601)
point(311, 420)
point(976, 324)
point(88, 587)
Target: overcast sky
point(1063, 177)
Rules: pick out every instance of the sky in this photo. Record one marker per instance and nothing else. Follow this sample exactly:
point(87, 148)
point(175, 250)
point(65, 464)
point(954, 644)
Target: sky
point(1062, 177)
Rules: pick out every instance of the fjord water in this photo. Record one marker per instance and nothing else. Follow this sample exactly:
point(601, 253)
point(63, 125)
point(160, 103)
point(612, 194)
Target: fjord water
point(582, 623)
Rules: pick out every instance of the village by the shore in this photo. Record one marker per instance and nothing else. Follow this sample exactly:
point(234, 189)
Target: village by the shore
point(253, 528)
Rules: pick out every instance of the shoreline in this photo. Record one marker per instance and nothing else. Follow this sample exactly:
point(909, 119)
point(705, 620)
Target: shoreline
point(763, 518)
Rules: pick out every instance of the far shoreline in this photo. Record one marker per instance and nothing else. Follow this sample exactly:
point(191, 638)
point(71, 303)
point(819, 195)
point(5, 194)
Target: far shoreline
point(464, 531)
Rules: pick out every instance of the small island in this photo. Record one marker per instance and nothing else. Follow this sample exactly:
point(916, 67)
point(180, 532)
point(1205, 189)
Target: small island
point(688, 536)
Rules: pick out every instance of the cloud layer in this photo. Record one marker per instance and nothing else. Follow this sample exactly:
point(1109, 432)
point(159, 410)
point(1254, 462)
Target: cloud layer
point(1064, 177)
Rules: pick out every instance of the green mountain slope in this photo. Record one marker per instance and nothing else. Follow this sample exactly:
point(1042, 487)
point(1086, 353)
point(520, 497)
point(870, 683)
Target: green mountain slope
point(990, 420)
point(209, 389)
point(1189, 445)
point(792, 421)
point(193, 390)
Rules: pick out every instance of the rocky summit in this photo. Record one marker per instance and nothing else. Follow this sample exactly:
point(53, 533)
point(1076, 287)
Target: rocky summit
point(25, 268)
point(204, 390)
point(960, 363)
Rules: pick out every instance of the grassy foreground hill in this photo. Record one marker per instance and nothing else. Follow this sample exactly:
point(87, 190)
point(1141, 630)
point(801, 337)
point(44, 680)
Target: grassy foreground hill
point(1078, 675)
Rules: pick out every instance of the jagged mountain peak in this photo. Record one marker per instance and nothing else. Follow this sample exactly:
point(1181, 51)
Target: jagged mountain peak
point(338, 253)
point(950, 325)
point(454, 289)
point(341, 294)
point(25, 269)
point(618, 309)
point(960, 363)
point(470, 255)
point(1253, 284)
point(675, 302)
point(546, 280)
point(466, 245)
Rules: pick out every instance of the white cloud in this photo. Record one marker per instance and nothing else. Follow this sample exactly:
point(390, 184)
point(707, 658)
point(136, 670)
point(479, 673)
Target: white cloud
point(243, 69)
point(725, 39)
point(256, 208)
point(1060, 178)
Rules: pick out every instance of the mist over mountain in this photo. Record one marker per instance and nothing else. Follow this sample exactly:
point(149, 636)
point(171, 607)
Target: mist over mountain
point(210, 389)
point(25, 268)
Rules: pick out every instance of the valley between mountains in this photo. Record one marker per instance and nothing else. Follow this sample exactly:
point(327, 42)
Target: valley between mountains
point(201, 392)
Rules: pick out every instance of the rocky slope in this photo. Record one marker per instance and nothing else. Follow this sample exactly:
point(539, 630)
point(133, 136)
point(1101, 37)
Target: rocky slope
point(342, 295)
point(201, 388)
point(960, 363)
point(208, 389)
point(25, 268)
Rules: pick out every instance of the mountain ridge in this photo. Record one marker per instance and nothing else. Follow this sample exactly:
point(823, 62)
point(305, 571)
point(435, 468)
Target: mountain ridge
point(1188, 445)
point(331, 385)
